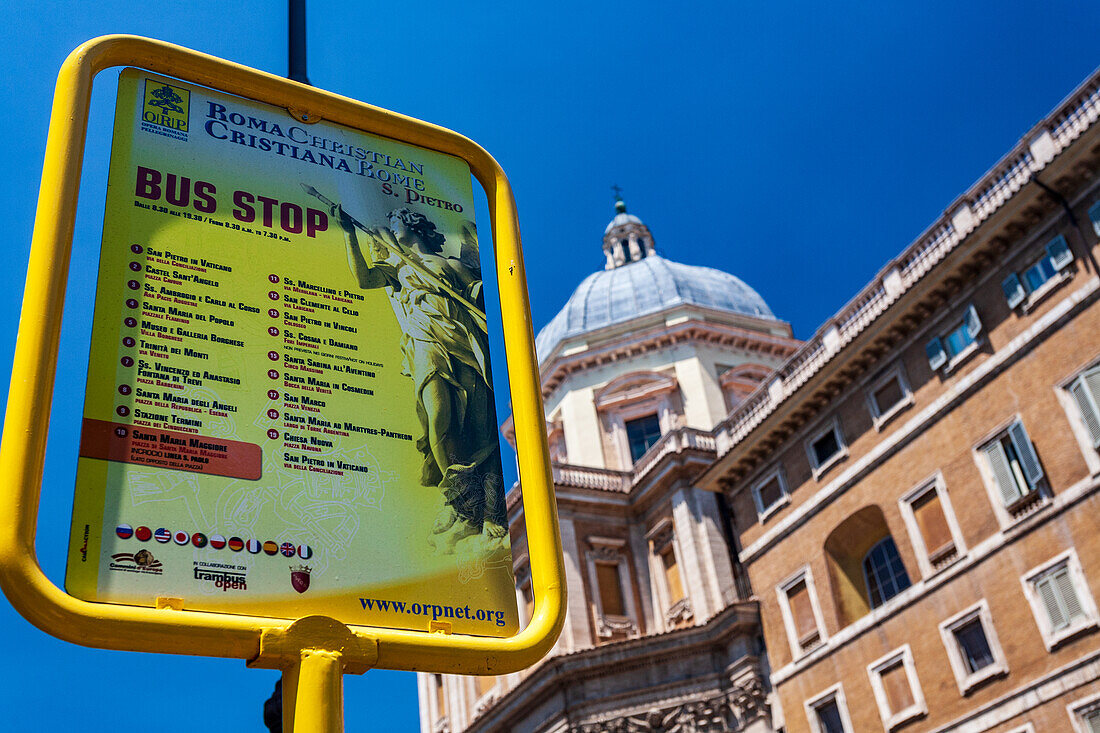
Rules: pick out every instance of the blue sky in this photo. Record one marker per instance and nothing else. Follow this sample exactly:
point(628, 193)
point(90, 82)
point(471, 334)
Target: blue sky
point(797, 145)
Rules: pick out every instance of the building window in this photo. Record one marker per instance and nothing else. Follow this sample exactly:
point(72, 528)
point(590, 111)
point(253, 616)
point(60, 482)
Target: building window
point(527, 600)
point(972, 647)
point(485, 688)
point(1028, 286)
point(611, 589)
point(641, 434)
point(931, 522)
point(801, 614)
point(888, 395)
point(672, 601)
point(609, 579)
point(896, 688)
point(828, 712)
point(1094, 217)
point(770, 493)
point(957, 343)
point(672, 575)
point(1085, 390)
point(1085, 714)
point(1060, 598)
point(1014, 470)
point(826, 448)
point(440, 697)
point(883, 572)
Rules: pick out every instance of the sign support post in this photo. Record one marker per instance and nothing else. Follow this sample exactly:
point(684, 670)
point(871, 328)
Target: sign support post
point(314, 654)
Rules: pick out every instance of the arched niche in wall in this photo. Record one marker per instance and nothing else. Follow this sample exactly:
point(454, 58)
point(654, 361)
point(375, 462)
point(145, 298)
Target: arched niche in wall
point(865, 568)
point(635, 409)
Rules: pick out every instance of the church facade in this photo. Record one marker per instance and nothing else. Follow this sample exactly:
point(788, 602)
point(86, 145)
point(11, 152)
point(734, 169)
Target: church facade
point(890, 526)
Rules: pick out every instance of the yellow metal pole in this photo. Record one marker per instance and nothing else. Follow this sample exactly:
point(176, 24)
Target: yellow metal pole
point(318, 702)
point(290, 696)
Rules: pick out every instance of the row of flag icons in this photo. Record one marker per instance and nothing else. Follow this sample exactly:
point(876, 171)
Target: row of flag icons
point(216, 541)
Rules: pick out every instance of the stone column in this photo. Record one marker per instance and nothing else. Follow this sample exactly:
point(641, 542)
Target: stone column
point(685, 519)
point(424, 697)
point(717, 567)
point(639, 549)
point(577, 633)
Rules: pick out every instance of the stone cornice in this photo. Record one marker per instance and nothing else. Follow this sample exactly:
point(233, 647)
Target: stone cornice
point(557, 673)
point(662, 335)
point(679, 456)
point(979, 226)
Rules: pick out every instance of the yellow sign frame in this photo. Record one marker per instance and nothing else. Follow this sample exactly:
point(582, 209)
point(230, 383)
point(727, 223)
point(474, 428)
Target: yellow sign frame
point(316, 648)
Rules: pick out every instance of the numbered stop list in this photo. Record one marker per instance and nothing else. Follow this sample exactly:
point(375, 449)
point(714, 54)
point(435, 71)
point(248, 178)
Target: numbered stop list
point(193, 355)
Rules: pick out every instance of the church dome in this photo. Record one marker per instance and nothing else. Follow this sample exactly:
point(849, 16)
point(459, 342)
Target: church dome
point(637, 281)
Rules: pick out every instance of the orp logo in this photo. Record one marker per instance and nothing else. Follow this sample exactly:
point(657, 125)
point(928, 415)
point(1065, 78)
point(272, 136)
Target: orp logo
point(166, 106)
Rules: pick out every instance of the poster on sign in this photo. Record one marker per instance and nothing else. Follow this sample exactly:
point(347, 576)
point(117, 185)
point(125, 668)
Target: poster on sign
point(289, 407)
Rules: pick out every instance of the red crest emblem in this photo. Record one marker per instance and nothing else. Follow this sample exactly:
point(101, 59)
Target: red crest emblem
point(299, 578)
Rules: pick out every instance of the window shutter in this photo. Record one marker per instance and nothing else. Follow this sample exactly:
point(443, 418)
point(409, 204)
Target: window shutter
point(1002, 472)
point(611, 590)
point(1092, 720)
point(1014, 290)
point(1063, 581)
point(1086, 392)
point(672, 576)
point(1094, 215)
point(973, 323)
point(937, 357)
point(805, 623)
point(1045, 588)
point(1060, 254)
point(932, 522)
point(895, 683)
point(1024, 449)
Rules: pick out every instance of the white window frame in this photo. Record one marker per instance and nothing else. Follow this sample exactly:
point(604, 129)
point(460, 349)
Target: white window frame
point(966, 679)
point(878, 417)
point(992, 486)
point(763, 512)
point(892, 719)
point(610, 551)
point(1052, 638)
point(630, 397)
point(936, 484)
point(831, 694)
point(803, 573)
point(842, 447)
point(1015, 288)
point(1085, 438)
point(936, 350)
point(1078, 709)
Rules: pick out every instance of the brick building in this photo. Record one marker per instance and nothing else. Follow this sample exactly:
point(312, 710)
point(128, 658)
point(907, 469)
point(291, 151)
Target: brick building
point(905, 506)
point(914, 492)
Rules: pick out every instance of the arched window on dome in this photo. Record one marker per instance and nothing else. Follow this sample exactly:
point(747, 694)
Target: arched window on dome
point(635, 410)
point(739, 382)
